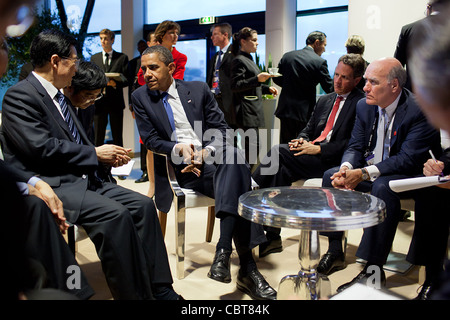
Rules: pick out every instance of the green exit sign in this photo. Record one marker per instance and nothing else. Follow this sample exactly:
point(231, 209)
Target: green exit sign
point(208, 20)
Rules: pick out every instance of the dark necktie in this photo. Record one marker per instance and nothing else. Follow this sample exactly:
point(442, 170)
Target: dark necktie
point(67, 116)
point(106, 61)
point(169, 111)
point(330, 121)
point(215, 84)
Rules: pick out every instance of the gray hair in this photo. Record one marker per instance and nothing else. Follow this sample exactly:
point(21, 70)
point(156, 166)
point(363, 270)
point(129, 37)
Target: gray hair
point(399, 73)
point(430, 59)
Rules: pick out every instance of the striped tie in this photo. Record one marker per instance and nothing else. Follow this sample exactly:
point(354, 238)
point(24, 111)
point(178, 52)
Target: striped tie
point(67, 117)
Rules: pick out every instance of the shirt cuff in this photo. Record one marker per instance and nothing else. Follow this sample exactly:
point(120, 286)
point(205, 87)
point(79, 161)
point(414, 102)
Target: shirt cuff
point(34, 180)
point(373, 171)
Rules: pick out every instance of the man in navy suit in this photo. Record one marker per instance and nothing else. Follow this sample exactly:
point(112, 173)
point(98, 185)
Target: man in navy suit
point(183, 121)
point(301, 71)
point(320, 144)
point(390, 140)
point(42, 136)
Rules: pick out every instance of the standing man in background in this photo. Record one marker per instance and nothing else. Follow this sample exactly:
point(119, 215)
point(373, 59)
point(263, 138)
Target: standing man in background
point(113, 103)
point(219, 72)
point(302, 70)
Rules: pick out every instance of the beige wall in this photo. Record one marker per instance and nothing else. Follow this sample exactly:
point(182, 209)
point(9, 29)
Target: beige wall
point(379, 22)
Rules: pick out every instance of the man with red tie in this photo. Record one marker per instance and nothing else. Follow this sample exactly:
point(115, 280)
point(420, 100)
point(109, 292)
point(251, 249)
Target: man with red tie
point(320, 144)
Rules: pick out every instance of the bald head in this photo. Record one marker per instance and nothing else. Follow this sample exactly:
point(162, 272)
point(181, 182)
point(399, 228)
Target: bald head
point(385, 79)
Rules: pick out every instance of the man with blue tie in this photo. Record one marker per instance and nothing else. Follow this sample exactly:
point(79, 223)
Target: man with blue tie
point(181, 119)
point(390, 140)
point(42, 136)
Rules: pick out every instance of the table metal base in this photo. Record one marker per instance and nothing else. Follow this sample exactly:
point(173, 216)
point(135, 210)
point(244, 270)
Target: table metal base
point(304, 286)
point(308, 284)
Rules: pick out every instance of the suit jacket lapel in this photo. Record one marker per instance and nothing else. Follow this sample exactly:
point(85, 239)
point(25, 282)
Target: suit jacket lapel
point(344, 112)
point(48, 101)
point(400, 113)
point(187, 102)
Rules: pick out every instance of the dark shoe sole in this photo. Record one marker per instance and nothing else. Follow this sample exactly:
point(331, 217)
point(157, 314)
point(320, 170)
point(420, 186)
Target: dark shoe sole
point(220, 279)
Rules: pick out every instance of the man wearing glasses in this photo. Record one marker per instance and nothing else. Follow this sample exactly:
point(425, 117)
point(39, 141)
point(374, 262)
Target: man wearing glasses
point(41, 135)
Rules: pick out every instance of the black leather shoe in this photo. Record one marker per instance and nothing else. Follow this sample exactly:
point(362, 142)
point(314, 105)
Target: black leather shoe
point(220, 269)
point(122, 177)
point(425, 292)
point(256, 286)
point(365, 278)
point(331, 262)
point(143, 178)
point(269, 247)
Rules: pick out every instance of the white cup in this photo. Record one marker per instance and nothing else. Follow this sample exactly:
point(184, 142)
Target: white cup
point(273, 71)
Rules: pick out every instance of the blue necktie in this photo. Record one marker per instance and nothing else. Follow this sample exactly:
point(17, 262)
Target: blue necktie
point(169, 111)
point(387, 137)
point(67, 117)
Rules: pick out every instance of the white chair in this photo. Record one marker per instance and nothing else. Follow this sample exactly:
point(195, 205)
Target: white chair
point(185, 199)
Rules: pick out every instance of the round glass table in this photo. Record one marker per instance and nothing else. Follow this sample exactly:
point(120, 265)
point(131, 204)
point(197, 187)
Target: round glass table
point(310, 209)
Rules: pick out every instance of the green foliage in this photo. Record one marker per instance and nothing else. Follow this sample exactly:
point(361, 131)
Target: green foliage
point(19, 48)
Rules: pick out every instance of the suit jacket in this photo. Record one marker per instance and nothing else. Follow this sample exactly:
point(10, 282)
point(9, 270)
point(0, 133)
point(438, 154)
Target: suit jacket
point(401, 50)
point(411, 138)
point(302, 70)
point(224, 84)
point(155, 131)
point(332, 151)
point(113, 98)
point(247, 91)
point(37, 140)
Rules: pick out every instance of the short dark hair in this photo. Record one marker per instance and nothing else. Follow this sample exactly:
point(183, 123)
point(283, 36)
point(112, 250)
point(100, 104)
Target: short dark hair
point(225, 27)
point(356, 62)
point(315, 35)
point(164, 54)
point(48, 43)
point(89, 76)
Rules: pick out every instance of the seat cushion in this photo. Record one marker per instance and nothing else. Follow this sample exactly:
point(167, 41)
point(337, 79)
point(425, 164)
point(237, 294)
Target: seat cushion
point(197, 199)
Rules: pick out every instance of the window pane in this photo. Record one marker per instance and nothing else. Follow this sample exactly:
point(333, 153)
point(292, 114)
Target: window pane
point(195, 50)
point(334, 25)
point(106, 14)
point(176, 10)
point(314, 4)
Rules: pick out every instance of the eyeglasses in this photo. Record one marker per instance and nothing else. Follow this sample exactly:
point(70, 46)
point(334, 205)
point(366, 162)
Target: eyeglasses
point(24, 18)
point(100, 95)
point(76, 60)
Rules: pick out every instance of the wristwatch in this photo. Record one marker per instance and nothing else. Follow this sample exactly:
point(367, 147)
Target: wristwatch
point(365, 174)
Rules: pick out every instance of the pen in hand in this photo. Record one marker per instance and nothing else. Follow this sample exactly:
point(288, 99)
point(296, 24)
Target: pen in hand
point(434, 159)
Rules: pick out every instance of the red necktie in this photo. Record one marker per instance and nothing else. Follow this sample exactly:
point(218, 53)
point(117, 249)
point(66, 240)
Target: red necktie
point(330, 122)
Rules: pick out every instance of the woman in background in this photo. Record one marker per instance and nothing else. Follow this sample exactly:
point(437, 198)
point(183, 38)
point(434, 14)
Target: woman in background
point(247, 84)
point(167, 34)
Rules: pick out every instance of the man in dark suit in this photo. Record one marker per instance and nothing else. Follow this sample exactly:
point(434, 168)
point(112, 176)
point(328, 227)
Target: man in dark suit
point(319, 145)
point(390, 140)
point(302, 70)
point(407, 33)
point(113, 103)
point(429, 54)
point(41, 135)
point(219, 71)
point(182, 120)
